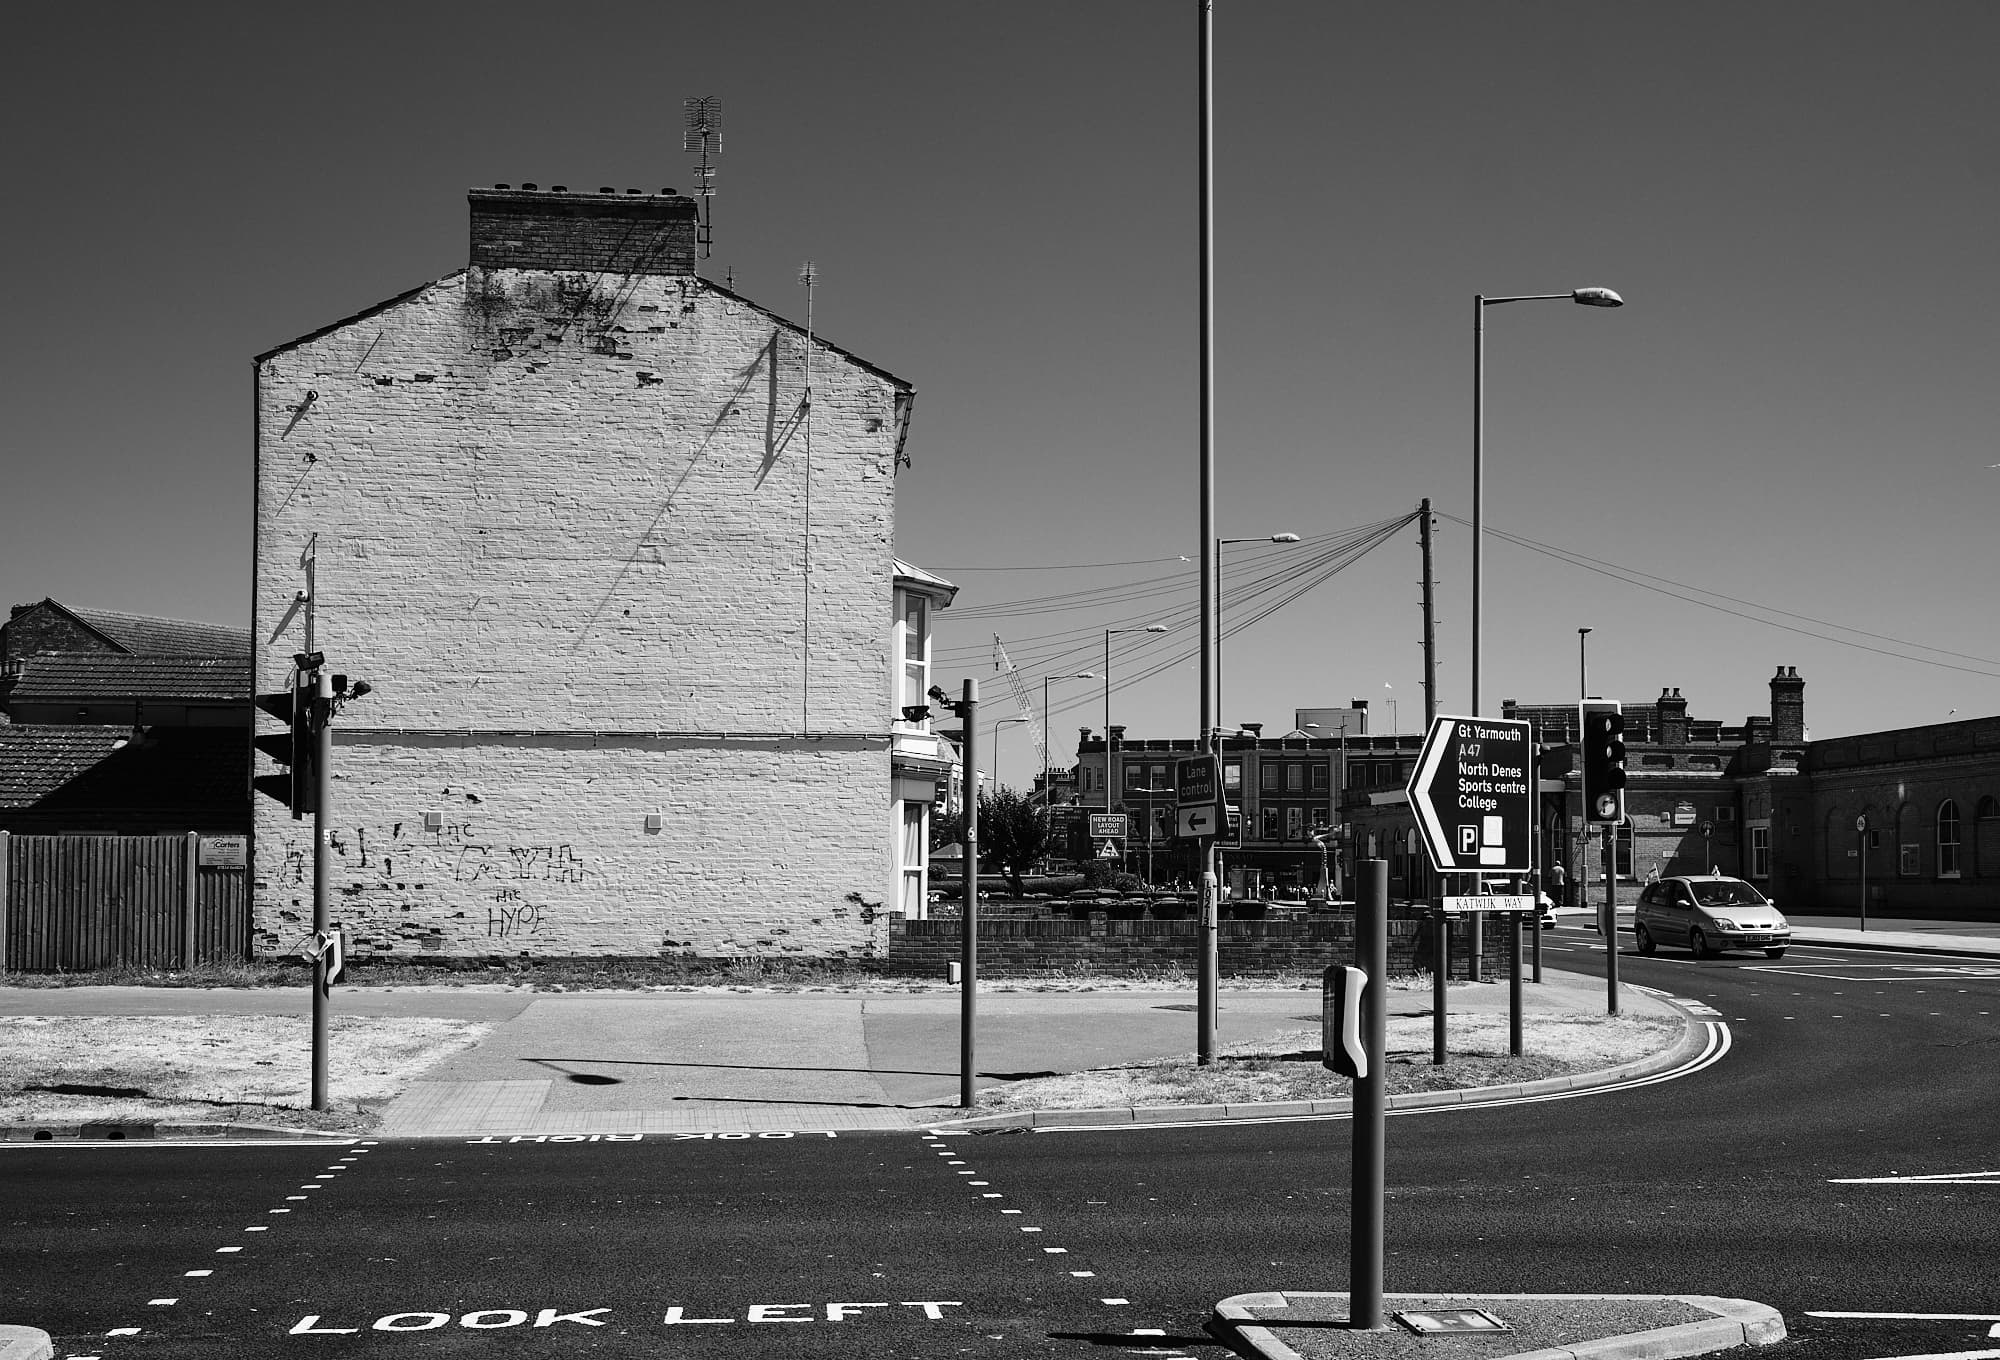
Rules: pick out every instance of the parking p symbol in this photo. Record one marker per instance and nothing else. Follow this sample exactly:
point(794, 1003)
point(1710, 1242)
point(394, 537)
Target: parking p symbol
point(1468, 840)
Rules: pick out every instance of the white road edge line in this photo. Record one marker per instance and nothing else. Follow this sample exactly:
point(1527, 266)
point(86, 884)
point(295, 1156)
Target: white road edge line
point(1717, 1046)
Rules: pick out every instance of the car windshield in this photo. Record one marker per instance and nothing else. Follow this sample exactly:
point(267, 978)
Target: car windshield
point(1727, 893)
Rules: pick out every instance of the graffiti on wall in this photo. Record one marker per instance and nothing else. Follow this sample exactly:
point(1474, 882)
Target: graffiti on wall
point(510, 916)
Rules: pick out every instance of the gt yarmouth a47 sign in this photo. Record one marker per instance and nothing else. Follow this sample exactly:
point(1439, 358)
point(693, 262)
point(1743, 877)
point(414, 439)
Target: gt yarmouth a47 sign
point(1473, 795)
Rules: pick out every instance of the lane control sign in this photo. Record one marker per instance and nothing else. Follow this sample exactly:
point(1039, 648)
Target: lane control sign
point(1473, 795)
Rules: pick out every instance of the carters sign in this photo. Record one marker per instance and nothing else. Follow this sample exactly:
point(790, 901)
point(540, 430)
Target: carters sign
point(1473, 794)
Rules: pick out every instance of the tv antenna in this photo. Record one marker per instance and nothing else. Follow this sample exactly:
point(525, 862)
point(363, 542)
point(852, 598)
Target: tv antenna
point(704, 138)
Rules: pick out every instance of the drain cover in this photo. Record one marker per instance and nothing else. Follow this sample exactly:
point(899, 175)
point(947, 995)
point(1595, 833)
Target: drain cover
point(1443, 1321)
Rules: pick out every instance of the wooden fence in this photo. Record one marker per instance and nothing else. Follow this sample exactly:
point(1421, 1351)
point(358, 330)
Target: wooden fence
point(72, 903)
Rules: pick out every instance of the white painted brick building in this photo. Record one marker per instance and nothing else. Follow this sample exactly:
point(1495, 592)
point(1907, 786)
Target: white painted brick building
point(627, 601)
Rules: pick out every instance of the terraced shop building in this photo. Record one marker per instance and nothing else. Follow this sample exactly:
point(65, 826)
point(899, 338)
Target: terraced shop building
point(613, 546)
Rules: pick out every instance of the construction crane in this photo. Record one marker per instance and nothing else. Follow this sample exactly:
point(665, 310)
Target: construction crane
point(1015, 683)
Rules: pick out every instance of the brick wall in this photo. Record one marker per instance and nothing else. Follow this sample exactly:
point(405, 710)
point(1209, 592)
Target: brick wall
point(618, 234)
point(562, 527)
point(1015, 947)
point(37, 628)
point(541, 848)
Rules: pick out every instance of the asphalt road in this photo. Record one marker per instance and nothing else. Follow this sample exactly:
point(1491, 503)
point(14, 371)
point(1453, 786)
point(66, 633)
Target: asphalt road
point(1839, 1159)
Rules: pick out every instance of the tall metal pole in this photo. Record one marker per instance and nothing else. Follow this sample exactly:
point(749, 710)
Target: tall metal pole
point(1430, 621)
point(322, 691)
point(1582, 812)
point(968, 945)
point(1371, 955)
point(1211, 602)
point(1474, 930)
point(1478, 478)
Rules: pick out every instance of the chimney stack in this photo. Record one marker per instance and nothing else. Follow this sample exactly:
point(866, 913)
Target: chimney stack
point(1673, 718)
point(604, 232)
point(1788, 707)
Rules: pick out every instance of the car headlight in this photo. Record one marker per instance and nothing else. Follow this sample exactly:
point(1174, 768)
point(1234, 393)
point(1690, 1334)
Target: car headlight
point(1723, 922)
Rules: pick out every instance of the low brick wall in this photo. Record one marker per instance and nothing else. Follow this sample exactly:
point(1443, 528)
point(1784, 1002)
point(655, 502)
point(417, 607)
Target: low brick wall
point(1027, 946)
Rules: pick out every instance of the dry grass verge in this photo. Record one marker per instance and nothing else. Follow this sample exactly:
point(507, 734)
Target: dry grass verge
point(244, 1069)
point(1286, 1066)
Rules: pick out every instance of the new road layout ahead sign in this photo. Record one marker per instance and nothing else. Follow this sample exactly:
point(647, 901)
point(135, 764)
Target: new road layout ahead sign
point(1474, 795)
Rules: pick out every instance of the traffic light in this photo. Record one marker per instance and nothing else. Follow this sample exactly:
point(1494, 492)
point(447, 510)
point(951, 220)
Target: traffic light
point(1603, 763)
point(296, 749)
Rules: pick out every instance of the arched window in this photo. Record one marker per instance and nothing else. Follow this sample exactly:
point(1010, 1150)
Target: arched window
point(1947, 839)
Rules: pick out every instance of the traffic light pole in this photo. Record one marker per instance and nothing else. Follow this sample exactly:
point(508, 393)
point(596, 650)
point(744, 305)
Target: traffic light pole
point(1611, 919)
point(968, 918)
point(322, 711)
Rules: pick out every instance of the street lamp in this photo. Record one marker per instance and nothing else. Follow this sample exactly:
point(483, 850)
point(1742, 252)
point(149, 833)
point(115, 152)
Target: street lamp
point(1339, 789)
point(1584, 297)
point(1048, 776)
point(997, 725)
point(1267, 538)
point(1110, 776)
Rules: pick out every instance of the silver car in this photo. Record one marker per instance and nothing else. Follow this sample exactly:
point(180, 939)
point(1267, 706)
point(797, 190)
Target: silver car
point(1709, 913)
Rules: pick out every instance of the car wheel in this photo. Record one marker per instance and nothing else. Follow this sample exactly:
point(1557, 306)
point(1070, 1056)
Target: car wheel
point(1647, 944)
point(1698, 942)
point(1774, 953)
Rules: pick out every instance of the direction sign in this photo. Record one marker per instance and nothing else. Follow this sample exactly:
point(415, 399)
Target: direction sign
point(1199, 820)
point(1196, 781)
point(1473, 794)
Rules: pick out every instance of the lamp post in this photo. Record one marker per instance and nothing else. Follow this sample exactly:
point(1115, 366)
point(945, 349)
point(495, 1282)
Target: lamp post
point(1110, 773)
point(1267, 538)
point(1585, 297)
point(1048, 775)
point(1395, 725)
point(997, 725)
point(1339, 793)
point(1582, 693)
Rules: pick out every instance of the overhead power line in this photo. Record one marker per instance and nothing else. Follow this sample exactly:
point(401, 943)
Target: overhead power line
point(1707, 599)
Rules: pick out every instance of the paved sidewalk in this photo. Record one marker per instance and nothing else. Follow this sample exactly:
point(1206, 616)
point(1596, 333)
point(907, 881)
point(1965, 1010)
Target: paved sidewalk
point(609, 1063)
point(1975, 938)
point(620, 1063)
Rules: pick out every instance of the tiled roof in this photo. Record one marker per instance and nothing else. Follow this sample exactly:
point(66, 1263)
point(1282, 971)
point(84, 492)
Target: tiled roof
point(36, 761)
point(75, 768)
point(144, 636)
point(61, 677)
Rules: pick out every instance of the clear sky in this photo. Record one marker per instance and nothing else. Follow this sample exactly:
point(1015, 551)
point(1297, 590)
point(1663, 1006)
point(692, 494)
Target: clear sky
point(1787, 431)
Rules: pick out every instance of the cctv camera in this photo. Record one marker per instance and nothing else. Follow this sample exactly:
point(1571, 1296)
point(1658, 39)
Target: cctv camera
point(937, 694)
